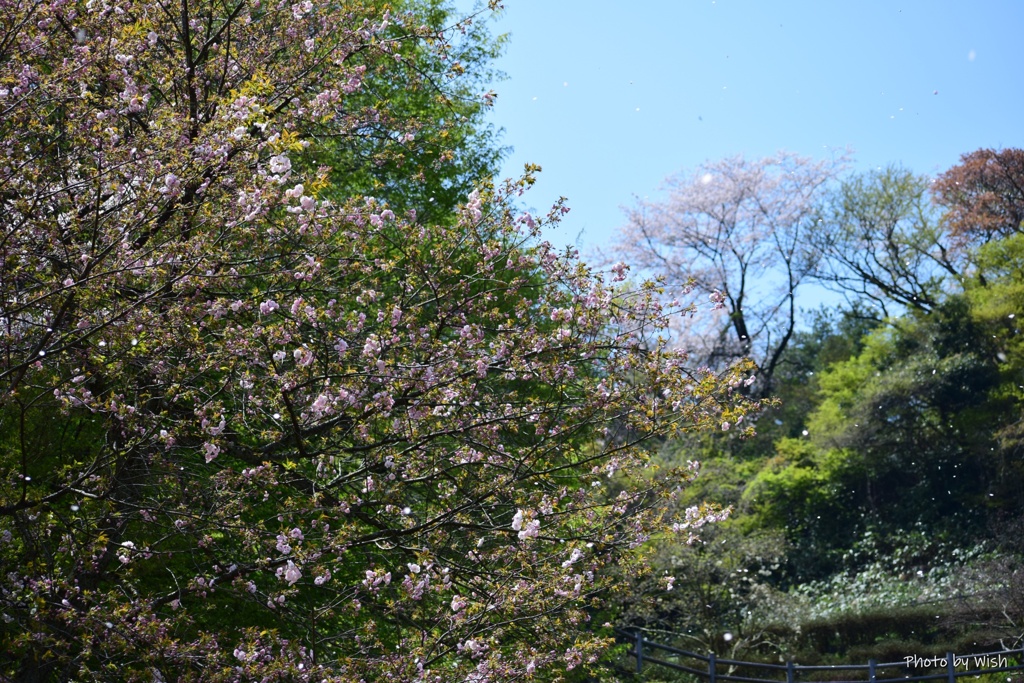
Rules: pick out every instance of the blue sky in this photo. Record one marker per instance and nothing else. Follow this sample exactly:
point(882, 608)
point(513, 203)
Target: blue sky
point(610, 97)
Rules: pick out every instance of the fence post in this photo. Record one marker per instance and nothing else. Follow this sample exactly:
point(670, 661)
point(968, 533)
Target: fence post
point(871, 670)
point(639, 651)
point(949, 667)
point(711, 667)
point(790, 673)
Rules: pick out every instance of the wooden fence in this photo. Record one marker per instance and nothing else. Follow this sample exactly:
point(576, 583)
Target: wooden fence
point(714, 669)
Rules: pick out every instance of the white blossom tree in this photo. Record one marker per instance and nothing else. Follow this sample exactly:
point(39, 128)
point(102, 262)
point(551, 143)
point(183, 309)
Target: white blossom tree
point(734, 231)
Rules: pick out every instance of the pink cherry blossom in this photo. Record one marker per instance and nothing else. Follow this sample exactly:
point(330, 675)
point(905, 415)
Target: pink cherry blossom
point(292, 573)
point(280, 164)
point(211, 451)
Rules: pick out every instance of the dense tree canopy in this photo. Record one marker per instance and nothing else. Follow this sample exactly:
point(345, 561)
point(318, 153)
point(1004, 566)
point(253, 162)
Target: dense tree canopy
point(898, 435)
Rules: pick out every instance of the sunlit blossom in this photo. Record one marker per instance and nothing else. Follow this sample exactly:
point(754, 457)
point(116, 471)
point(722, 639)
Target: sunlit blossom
point(292, 573)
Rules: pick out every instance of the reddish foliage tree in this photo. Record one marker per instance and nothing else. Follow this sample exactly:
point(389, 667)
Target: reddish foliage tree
point(984, 195)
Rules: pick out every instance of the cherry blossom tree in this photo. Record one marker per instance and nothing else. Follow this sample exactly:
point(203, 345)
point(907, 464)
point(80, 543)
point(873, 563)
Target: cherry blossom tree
point(255, 428)
point(734, 231)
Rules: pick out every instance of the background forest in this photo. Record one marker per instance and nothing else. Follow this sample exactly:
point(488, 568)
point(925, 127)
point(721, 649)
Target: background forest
point(878, 511)
point(294, 389)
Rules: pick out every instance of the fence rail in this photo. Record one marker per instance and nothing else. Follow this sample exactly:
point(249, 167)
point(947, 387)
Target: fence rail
point(710, 667)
